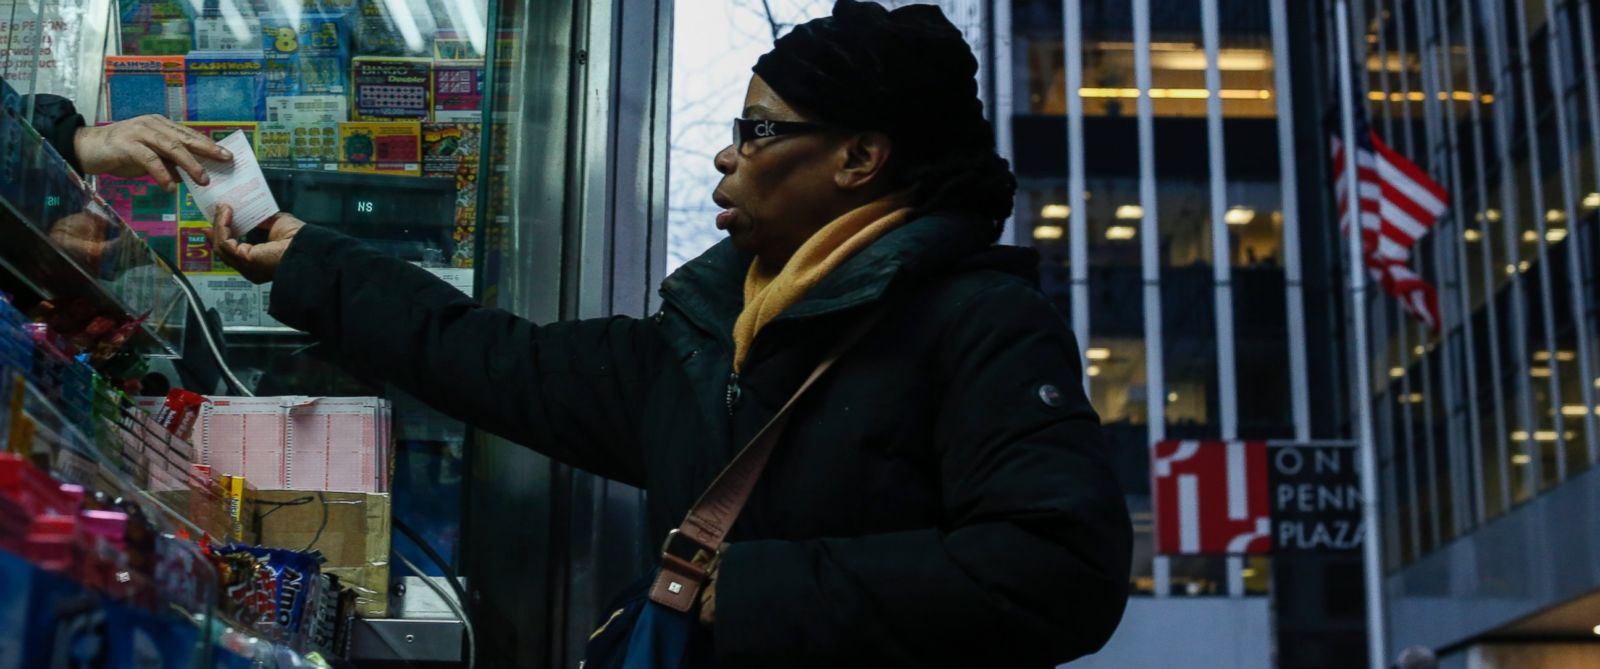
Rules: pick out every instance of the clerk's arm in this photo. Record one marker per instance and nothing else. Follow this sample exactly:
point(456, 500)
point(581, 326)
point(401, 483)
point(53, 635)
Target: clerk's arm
point(570, 390)
point(150, 145)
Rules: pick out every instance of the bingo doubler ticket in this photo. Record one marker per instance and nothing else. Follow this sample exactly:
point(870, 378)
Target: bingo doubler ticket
point(239, 184)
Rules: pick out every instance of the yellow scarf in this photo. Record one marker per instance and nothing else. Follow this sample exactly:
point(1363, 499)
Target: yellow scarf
point(768, 293)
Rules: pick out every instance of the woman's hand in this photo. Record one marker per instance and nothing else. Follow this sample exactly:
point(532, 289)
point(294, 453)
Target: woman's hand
point(256, 262)
point(149, 144)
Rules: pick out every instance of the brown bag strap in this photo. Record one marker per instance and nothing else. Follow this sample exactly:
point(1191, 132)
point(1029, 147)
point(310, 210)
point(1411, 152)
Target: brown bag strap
point(688, 551)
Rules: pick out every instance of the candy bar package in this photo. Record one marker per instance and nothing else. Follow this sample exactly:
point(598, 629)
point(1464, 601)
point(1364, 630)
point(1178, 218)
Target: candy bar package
point(296, 585)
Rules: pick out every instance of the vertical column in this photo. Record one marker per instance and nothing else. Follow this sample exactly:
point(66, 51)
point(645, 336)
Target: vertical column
point(1591, 97)
point(1510, 212)
point(1411, 329)
point(1575, 242)
point(1078, 222)
point(1150, 257)
point(1462, 276)
point(1443, 242)
point(1376, 629)
point(1003, 105)
point(1300, 402)
point(1546, 299)
point(1221, 257)
point(1487, 269)
point(1385, 400)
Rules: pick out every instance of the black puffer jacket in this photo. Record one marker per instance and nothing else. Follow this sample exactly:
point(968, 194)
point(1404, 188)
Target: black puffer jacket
point(941, 499)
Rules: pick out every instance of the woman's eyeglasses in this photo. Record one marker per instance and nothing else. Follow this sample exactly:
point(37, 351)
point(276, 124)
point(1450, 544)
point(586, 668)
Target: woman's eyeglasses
point(747, 129)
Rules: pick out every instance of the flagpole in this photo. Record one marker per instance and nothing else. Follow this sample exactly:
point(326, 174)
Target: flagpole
point(1362, 368)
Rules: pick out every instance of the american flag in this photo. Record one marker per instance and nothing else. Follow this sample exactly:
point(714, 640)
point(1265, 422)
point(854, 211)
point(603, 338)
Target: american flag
point(1399, 204)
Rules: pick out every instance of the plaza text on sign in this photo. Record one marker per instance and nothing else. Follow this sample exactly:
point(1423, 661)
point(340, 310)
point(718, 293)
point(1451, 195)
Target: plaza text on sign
point(1316, 499)
point(1210, 497)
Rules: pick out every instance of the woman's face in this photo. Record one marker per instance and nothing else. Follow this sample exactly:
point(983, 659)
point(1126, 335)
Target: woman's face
point(776, 191)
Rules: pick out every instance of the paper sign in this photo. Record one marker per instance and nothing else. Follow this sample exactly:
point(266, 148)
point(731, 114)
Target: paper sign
point(239, 185)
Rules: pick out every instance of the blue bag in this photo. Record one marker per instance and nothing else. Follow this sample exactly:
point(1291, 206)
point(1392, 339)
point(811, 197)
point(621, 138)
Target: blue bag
point(641, 634)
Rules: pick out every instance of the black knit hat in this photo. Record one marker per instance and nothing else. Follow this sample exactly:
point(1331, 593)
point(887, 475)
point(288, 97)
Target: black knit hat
point(906, 72)
point(909, 74)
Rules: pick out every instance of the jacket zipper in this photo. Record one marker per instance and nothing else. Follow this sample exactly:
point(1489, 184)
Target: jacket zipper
point(733, 391)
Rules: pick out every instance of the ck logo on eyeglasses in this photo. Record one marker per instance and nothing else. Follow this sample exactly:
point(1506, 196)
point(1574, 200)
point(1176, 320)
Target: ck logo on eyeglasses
point(764, 129)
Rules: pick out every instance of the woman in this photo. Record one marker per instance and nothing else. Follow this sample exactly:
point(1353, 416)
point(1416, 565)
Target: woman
point(939, 499)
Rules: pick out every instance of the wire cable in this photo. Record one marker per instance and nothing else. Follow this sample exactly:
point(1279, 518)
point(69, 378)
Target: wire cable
point(455, 607)
point(449, 571)
point(210, 336)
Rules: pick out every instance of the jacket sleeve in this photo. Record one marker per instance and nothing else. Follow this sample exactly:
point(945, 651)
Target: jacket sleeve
point(57, 121)
point(570, 390)
point(1032, 566)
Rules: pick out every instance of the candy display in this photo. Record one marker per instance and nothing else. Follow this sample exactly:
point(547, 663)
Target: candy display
point(109, 552)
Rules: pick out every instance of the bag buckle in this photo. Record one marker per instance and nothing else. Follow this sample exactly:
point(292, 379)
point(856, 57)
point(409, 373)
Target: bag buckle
point(688, 549)
point(685, 562)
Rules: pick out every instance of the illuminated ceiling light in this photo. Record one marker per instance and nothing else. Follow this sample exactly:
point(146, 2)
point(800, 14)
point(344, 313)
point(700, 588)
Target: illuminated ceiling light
point(1521, 458)
point(1098, 354)
point(1471, 235)
point(1492, 215)
point(1555, 216)
point(1172, 396)
point(1413, 398)
point(1154, 46)
point(1511, 269)
point(1121, 232)
point(1539, 372)
point(1571, 410)
point(1093, 370)
point(1591, 201)
point(1522, 266)
point(1416, 350)
point(1176, 93)
point(1048, 232)
point(1597, 630)
point(1277, 217)
point(1247, 572)
point(1555, 234)
point(1250, 60)
point(1130, 212)
point(1396, 372)
point(1239, 216)
point(1055, 211)
point(1563, 356)
point(1530, 236)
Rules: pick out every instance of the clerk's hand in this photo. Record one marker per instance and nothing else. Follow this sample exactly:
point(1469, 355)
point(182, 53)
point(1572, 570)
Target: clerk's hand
point(147, 145)
point(256, 262)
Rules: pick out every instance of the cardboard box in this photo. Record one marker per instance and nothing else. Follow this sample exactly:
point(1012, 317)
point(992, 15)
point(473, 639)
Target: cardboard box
point(350, 529)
